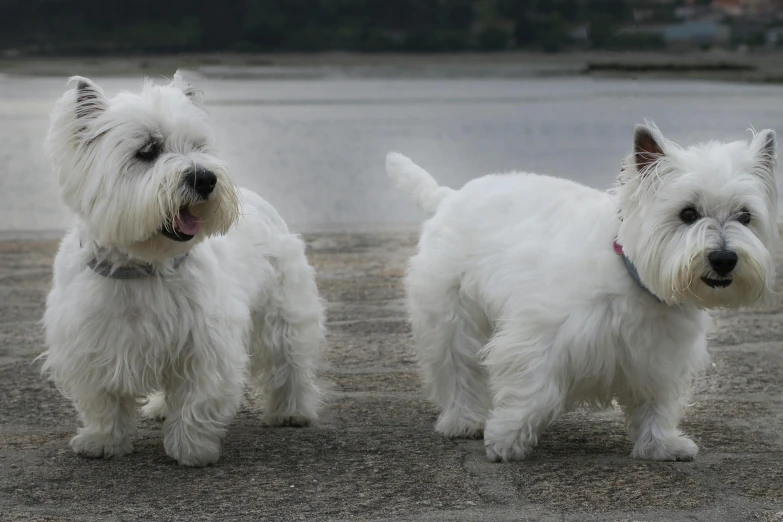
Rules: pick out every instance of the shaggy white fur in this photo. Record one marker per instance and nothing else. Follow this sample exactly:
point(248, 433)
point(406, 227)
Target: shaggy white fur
point(141, 174)
point(522, 309)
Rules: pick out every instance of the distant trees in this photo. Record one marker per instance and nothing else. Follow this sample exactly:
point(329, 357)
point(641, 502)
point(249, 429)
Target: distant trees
point(99, 27)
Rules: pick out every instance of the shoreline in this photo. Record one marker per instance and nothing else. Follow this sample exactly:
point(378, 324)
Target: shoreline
point(333, 229)
point(756, 67)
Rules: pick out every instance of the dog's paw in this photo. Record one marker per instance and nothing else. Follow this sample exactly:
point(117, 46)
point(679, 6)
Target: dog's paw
point(100, 446)
point(296, 408)
point(293, 421)
point(497, 452)
point(194, 459)
point(187, 452)
point(156, 407)
point(678, 448)
point(459, 428)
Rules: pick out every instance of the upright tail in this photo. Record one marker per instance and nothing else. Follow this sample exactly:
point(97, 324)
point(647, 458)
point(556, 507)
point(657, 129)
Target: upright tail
point(415, 181)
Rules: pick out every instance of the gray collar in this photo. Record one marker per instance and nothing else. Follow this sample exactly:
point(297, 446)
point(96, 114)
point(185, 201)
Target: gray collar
point(135, 271)
point(629, 266)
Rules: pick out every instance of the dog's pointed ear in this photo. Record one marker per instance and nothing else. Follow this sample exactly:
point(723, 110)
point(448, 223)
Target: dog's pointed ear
point(90, 101)
point(647, 147)
point(763, 147)
point(183, 83)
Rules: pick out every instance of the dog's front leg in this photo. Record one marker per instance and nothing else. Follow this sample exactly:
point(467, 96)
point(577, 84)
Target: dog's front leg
point(653, 427)
point(109, 421)
point(202, 401)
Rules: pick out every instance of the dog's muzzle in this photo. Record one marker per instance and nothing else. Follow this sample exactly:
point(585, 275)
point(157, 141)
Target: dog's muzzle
point(716, 283)
point(200, 182)
point(185, 228)
point(722, 262)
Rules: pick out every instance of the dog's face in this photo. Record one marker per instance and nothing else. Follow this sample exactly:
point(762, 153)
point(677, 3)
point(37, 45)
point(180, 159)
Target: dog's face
point(140, 169)
point(700, 224)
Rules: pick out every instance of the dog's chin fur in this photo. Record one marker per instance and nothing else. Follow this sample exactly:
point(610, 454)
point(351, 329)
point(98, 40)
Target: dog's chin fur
point(159, 247)
point(521, 309)
point(242, 305)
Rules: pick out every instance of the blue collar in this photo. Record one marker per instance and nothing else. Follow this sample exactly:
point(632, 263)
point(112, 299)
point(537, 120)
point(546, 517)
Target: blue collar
point(135, 271)
point(632, 271)
point(138, 271)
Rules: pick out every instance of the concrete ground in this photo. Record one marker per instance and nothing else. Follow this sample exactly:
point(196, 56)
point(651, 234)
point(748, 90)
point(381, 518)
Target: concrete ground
point(374, 455)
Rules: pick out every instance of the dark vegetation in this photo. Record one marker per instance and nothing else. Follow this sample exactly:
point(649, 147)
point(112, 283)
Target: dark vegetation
point(71, 27)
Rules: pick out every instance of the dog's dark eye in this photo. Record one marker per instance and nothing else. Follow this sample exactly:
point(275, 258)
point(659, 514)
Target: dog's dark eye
point(744, 217)
point(689, 215)
point(149, 151)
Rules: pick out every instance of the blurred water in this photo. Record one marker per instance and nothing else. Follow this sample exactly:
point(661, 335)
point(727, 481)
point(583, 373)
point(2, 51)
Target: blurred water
point(315, 147)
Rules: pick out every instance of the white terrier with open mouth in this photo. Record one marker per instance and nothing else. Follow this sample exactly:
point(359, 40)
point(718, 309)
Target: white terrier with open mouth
point(530, 295)
point(173, 282)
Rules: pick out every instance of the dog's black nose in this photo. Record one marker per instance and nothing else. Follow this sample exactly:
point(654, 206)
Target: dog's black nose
point(201, 180)
point(722, 261)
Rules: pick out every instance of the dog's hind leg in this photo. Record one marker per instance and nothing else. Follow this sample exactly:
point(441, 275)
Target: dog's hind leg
point(288, 336)
point(449, 329)
point(528, 395)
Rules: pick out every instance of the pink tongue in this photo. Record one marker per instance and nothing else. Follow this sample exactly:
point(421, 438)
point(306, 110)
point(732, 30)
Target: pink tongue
point(187, 223)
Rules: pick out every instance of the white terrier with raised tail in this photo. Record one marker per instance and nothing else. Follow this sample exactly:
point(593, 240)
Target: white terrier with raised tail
point(530, 295)
point(173, 282)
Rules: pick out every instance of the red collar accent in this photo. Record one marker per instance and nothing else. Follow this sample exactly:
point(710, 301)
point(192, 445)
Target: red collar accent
point(618, 249)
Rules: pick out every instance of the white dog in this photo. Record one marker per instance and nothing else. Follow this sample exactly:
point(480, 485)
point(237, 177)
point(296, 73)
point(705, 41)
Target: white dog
point(530, 295)
point(173, 282)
